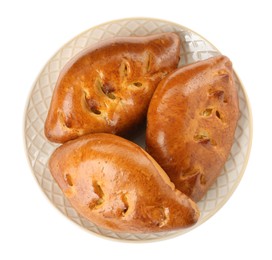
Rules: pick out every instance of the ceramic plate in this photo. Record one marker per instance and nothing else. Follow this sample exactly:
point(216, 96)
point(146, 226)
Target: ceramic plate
point(193, 48)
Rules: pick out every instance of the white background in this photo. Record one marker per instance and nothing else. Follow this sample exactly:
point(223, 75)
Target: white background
point(32, 31)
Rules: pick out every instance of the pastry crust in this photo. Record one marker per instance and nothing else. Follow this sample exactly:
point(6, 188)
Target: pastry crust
point(115, 184)
point(108, 87)
point(191, 123)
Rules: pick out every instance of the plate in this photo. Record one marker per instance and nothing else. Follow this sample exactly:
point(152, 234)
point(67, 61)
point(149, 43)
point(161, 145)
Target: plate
point(193, 48)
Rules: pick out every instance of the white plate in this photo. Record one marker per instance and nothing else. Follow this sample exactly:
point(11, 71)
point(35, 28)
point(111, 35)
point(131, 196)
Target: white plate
point(193, 48)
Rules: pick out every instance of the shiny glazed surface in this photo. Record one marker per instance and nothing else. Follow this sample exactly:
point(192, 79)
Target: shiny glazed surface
point(115, 184)
point(192, 119)
point(107, 88)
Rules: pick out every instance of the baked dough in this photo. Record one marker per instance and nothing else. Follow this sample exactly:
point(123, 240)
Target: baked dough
point(191, 123)
point(115, 184)
point(108, 87)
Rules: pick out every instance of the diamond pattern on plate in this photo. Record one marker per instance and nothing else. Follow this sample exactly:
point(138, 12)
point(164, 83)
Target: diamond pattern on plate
point(193, 48)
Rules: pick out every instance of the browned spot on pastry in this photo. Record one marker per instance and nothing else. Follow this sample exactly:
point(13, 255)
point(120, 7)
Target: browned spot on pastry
point(92, 105)
point(64, 119)
point(99, 196)
point(137, 84)
point(97, 189)
point(219, 94)
point(111, 96)
point(222, 72)
point(124, 69)
point(225, 77)
point(107, 89)
point(204, 138)
point(217, 113)
point(68, 179)
point(95, 110)
point(95, 203)
point(203, 180)
point(68, 122)
point(158, 215)
point(206, 112)
point(125, 204)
